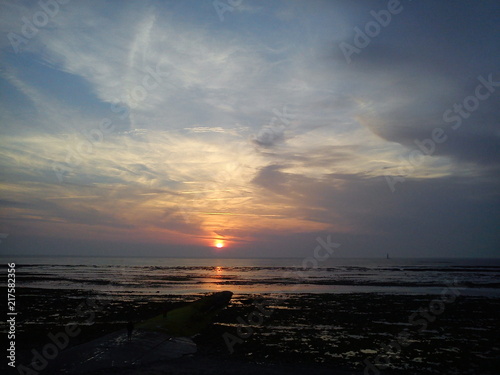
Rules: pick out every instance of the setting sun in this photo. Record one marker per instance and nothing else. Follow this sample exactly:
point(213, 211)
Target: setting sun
point(219, 245)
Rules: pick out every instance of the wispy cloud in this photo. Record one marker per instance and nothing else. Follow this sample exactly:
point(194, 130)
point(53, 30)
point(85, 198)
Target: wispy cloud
point(173, 126)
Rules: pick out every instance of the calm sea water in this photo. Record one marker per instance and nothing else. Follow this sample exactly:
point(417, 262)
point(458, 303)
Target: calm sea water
point(191, 276)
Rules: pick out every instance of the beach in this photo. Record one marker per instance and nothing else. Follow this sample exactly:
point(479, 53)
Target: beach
point(346, 316)
point(283, 333)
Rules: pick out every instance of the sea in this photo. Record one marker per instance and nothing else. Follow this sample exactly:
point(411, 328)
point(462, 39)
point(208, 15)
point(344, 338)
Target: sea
point(178, 276)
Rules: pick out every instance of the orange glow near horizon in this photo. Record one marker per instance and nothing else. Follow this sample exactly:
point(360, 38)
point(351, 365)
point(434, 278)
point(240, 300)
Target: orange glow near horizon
point(219, 244)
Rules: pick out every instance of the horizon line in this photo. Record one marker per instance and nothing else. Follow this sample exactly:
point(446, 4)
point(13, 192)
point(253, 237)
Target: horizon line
point(232, 257)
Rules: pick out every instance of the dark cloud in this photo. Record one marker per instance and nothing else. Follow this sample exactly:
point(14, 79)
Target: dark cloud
point(179, 219)
point(449, 216)
point(8, 203)
point(271, 178)
point(426, 61)
point(269, 136)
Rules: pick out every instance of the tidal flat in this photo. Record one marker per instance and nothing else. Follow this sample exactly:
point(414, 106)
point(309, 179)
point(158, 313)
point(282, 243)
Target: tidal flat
point(286, 333)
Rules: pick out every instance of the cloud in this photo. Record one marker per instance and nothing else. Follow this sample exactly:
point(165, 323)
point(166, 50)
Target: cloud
point(427, 216)
point(206, 129)
point(254, 128)
point(268, 136)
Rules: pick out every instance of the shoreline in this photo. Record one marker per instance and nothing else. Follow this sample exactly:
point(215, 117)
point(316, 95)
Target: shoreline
point(320, 331)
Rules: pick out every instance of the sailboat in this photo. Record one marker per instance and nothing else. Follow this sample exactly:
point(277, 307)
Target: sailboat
point(387, 255)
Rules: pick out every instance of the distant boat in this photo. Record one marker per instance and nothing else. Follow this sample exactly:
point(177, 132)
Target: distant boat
point(387, 255)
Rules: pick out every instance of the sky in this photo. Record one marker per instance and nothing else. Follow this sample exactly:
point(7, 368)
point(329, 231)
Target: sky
point(166, 128)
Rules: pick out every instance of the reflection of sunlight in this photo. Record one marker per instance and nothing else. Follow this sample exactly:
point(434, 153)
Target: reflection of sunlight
point(213, 285)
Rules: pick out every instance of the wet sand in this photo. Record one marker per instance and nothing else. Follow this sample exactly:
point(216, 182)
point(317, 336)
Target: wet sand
point(292, 334)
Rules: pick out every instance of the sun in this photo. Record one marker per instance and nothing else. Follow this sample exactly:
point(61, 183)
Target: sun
point(219, 245)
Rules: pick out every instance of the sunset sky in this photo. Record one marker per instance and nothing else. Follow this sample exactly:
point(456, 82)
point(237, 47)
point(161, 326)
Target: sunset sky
point(165, 128)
